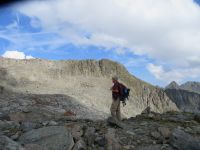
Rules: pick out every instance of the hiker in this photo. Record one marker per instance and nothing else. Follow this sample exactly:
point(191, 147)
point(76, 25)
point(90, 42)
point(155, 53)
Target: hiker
point(115, 107)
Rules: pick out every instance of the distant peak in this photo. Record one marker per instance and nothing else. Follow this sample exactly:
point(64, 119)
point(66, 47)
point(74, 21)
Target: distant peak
point(172, 85)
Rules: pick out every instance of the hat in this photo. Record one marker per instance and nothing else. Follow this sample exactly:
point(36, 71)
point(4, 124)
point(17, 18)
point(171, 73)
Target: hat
point(115, 77)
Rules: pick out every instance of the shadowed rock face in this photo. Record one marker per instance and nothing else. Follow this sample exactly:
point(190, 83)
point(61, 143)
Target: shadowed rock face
point(87, 81)
point(185, 100)
point(186, 96)
point(191, 86)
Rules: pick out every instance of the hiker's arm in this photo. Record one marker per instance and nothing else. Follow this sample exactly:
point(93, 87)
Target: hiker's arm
point(116, 91)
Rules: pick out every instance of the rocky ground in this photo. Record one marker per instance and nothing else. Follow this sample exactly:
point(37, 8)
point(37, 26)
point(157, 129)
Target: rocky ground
point(56, 122)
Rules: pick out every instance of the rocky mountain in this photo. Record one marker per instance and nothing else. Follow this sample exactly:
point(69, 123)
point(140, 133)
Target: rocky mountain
point(64, 105)
point(87, 81)
point(186, 96)
point(191, 86)
point(172, 85)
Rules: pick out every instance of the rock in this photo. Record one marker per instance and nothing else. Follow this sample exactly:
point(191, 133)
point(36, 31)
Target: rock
point(26, 110)
point(101, 141)
point(155, 134)
point(165, 132)
point(53, 137)
point(4, 117)
point(80, 145)
point(184, 141)
point(53, 123)
point(9, 128)
point(76, 131)
point(16, 136)
point(147, 110)
point(90, 135)
point(5, 125)
point(128, 147)
point(197, 117)
point(112, 142)
point(8, 144)
point(17, 116)
point(150, 147)
point(34, 147)
point(27, 126)
point(1, 89)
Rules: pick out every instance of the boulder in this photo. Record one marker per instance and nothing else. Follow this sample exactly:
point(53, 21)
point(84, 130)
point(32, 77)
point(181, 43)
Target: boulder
point(184, 141)
point(51, 138)
point(90, 135)
point(80, 145)
point(8, 144)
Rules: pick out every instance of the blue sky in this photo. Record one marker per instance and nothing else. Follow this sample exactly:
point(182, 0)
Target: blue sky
point(155, 44)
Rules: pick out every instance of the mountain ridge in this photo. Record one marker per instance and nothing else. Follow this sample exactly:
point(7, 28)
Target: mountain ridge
point(88, 81)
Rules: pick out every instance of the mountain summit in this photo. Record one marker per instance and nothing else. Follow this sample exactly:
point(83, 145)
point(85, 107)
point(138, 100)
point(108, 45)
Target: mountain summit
point(172, 85)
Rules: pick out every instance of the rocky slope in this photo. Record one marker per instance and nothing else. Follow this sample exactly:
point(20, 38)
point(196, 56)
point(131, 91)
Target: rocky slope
point(186, 101)
point(87, 82)
point(35, 122)
point(186, 96)
point(191, 86)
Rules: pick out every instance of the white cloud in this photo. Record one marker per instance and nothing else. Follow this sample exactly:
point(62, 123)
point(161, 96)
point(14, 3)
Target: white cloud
point(164, 30)
point(174, 74)
point(16, 55)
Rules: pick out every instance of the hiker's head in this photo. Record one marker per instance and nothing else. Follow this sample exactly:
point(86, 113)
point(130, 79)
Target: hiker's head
point(114, 79)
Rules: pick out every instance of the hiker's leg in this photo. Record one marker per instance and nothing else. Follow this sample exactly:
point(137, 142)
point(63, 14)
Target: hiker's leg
point(113, 109)
point(118, 112)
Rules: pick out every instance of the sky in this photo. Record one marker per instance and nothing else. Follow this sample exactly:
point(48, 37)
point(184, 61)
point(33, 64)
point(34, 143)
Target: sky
point(158, 41)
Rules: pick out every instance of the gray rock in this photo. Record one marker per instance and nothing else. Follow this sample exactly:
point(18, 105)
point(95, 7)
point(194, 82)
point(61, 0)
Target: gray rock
point(149, 147)
point(197, 117)
point(6, 125)
point(77, 132)
point(112, 141)
point(90, 135)
point(146, 110)
point(101, 141)
point(80, 145)
point(165, 132)
point(27, 126)
point(184, 141)
point(34, 147)
point(54, 137)
point(8, 144)
point(155, 134)
point(53, 123)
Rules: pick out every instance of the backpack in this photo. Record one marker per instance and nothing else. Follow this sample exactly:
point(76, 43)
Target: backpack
point(124, 93)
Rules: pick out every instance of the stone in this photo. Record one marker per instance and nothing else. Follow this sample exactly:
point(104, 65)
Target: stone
point(197, 118)
point(34, 147)
point(165, 132)
point(27, 126)
point(80, 145)
point(53, 123)
point(150, 147)
point(112, 143)
point(76, 131)
point(147, 110)
point(4, 117)
point(90, 135)
point(184, 141)
point(8, 144)
point(101, 141)
point(53, 137)
point(6, 125)
point(155, 134)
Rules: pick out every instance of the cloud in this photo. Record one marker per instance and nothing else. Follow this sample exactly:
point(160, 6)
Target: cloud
point(174, 74)
point(166, 31)
point(16, 55)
